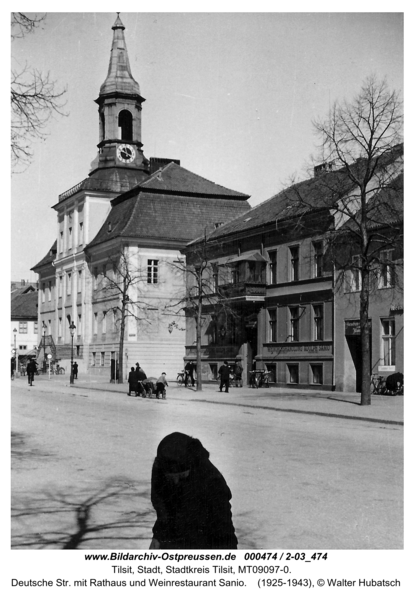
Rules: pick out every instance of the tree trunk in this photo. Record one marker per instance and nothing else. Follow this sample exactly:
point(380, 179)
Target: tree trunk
point(365, 340)
point(121, 341)
point(199, 348)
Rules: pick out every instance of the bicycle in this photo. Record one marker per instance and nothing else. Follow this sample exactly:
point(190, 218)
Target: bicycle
point(378, 384)
point(180, 378)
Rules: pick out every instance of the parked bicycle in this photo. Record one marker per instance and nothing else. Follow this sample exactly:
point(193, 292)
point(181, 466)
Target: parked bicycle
point(259, 378)
point(378, 384)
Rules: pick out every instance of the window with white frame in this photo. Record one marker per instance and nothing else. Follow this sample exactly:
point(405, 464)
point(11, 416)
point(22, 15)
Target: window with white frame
point(102, 354)
point(35, 327)
point(79, 281)
point(69, 284)
point(95, 324)
point(104, 322)
point(388, 342)
point(61, 242)
point(354, 275)
point(273, 267)
point(79, 324)
point(318, 322)
point(273, 325)
point(60, 327)
point(386, 269)
point(49, 291)
point(95, 278)
point(70, 237)
point(294, 323)
point(93, 359)
point(81, 234)
point(114, 313)
point(60, 286)
point(152, 270)
point(317, 258)
point(23, 327)
point(49, 327)
point(294, 263)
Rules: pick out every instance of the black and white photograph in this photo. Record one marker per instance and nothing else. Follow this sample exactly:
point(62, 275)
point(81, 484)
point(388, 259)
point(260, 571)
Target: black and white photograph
point(207, 295)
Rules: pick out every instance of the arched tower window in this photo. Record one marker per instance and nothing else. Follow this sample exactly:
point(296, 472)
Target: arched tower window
point(125, 124)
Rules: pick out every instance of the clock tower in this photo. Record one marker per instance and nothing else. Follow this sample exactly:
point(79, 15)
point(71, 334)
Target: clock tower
point(120, 107)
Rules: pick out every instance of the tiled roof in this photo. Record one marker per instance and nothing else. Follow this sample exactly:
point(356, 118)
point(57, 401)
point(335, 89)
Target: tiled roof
point(24, 306)
point(174, 178)
point(48, 259)
point(166, 217)
point(172, 204)
point(116, 180)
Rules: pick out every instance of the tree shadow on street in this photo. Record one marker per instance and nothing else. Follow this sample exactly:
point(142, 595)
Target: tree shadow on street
point(69, 520)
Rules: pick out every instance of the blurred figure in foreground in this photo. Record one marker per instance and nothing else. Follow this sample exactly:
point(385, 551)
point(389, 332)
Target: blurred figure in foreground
point(191, 498)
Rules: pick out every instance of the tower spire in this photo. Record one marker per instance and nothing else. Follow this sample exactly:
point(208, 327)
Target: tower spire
point(119, 77)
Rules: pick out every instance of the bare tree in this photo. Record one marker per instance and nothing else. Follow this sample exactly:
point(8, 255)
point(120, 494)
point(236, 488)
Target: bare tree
point(118, 288)
point(34, 98)
point(201, 291)
point(359, 181)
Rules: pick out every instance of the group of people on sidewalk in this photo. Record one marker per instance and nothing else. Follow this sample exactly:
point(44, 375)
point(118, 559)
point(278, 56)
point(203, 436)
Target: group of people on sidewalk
point(142, 386)
point(226, 375)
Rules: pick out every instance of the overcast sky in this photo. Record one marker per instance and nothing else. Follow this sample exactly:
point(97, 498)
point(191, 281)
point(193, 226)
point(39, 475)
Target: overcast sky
point(232, 95)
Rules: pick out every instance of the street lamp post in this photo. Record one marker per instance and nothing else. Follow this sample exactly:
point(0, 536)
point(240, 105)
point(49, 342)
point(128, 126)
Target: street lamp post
point(15, 352)
point(44, 347)
point(72, 328)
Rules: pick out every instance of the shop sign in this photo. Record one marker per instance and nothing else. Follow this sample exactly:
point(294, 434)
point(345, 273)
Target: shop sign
point(352, 327)
point(301, 349)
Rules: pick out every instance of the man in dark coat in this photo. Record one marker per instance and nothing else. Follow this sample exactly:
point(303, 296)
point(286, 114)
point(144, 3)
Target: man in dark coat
point(140, 377)
point(224, 373)
point(191, 498)
point(238, 374)
point(189, 370)
point(132, 381)
point(75, 370)
point(31, 369)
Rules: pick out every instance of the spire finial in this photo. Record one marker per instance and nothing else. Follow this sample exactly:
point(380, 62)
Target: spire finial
point(118, 23)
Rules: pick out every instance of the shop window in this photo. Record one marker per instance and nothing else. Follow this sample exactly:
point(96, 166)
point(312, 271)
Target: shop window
point(293, 372)
point(152, 270)
point(318, 259)
point(273, 325)
point(318, 322)
point(272, 368)
point(388, 342)
point(294, 324)
point(294, 263)
point(273, 267)
point(317, 374)
point(213, 370)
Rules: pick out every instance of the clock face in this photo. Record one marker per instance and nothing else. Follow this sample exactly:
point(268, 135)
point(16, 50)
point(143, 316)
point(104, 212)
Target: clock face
point(126, 153)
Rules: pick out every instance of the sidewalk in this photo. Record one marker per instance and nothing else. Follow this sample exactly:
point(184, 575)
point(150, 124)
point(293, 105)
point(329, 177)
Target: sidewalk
point(383, 409)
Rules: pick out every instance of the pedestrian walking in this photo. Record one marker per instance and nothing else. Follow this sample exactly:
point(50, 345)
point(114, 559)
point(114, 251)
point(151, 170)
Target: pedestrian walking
point(191, 498)
point(31, 369)
point(161, 384)
point(224, 373)
point(75, 370)
point(238, 374)
point(189, 370)
point(13, 366)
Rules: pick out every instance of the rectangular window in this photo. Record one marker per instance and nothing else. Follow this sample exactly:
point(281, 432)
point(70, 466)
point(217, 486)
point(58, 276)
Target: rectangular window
point(152, 270)
point(60, 286)
point(79, 325)
point(386, 269)
point(104, 323)
point(318, 322)
point(79, 281)
point(388, 342)
point(43, 292)
point(22, 347)
point(354, 280)
point(93, 359)
point(317, 374)
point(293, 371)
point(114, 313)
point(215, 276)
point(273, 325)
point(234, 275)
point(273, 267)
point(294, 324)
point(35, 327)
point(294, 263)
point(318, 259)
point(49, 327)
point(60, 328)
point(23, 327)
point(272, 368)
point(102, 359)
point(80, 234)
point(95, 278)
point(49, 291)
point(69, 284)
point(95, 324)
point(61, 242)
point(70, 237)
